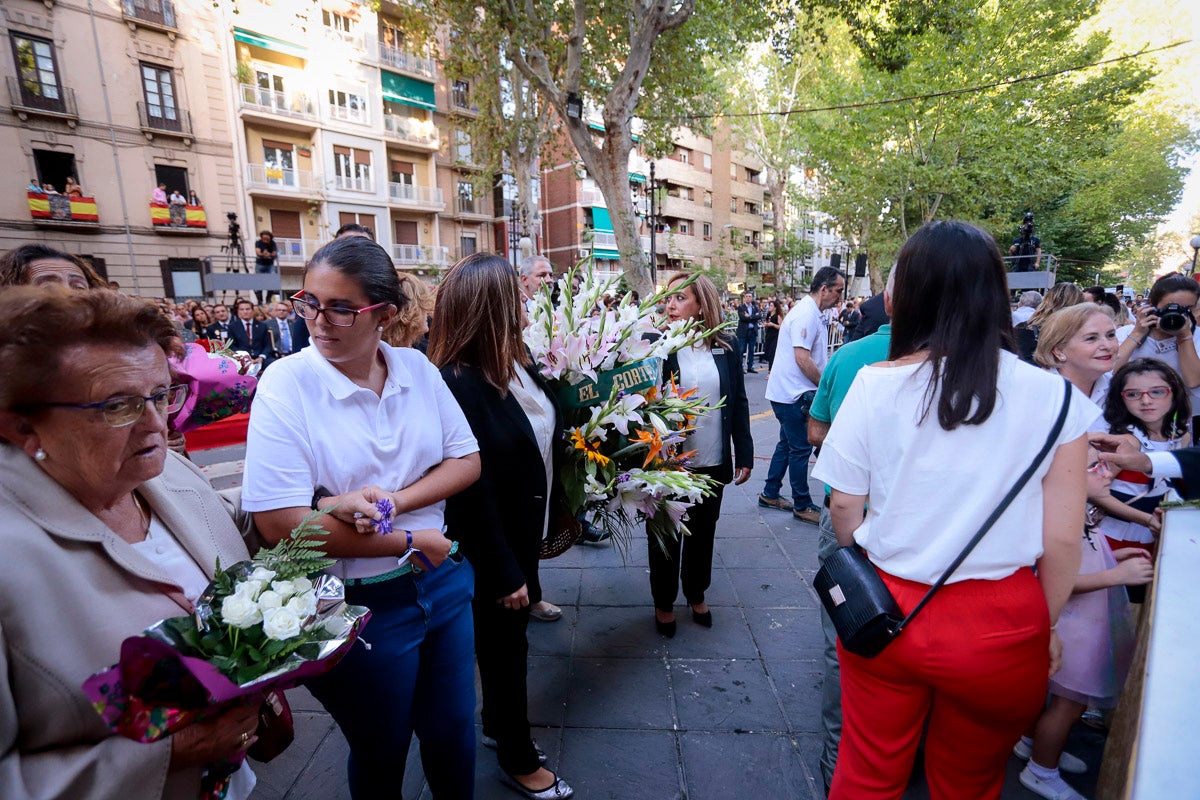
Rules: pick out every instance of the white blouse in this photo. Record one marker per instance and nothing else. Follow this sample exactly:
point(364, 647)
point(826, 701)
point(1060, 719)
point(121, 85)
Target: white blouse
point(539, 410)
point(698, 370)
point(929, 490)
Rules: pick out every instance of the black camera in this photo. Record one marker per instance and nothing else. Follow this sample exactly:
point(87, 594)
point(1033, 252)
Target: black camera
point(1172, 317)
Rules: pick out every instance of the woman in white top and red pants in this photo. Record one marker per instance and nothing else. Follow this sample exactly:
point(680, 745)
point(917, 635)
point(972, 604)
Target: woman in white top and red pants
point(930, 442)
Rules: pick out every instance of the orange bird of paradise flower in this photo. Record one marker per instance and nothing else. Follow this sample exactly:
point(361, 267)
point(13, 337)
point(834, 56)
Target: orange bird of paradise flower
point(592, 451)
point(652, 440)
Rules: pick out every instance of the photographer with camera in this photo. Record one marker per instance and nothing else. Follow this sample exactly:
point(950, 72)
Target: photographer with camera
point(1027, 247)
point(1165, 329)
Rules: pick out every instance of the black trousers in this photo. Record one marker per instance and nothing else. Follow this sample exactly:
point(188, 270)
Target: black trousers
point(688, 558)
point(502, 650)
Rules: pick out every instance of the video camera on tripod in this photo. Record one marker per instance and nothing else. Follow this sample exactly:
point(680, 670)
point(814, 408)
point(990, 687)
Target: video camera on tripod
point(1027, 247)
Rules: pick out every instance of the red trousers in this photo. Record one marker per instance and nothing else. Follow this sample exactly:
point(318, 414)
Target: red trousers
point(974, 664)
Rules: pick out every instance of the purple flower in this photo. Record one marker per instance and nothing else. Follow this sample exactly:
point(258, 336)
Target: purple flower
point(384, 524)
point(623, 477)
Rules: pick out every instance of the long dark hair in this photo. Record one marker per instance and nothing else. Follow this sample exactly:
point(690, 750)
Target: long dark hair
point(478, 319)
point(951, 298)
point(1117, 414)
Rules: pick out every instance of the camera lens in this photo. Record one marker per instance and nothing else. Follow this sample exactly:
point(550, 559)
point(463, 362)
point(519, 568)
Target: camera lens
point(1171, 318)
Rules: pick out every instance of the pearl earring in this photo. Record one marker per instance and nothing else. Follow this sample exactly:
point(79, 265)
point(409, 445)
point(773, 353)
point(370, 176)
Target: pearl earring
point(380, 329)
point(39, 454)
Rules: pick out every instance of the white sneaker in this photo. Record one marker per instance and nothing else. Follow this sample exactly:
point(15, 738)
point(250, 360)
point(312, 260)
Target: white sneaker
point(1072, 765)
point(1056, 789)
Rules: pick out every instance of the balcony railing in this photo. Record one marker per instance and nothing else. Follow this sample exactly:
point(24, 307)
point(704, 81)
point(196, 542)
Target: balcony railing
point(180, 217)
point(470, 205)
point(55, 208)
point(351, 38)
point(25, 103)
point(269, 101)
point(416, 195)
point(417, 131)
point(295, 251)
point(589, 196)
point(160, 119)
point(348, 113)
point(608, 241)
point(155, 12)
point(265, 176)
point(354, 184)
point(407, 61)
point(420, 254)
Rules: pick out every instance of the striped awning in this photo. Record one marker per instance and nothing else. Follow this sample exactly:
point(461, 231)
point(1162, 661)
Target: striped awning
point(269, 43)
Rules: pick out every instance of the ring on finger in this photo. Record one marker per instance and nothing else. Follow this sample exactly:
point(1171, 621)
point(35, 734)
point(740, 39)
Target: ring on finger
point(245, 738)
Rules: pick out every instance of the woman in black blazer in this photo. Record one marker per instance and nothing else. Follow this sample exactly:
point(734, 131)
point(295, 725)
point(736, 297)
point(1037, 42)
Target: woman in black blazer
point(501, 520)
point(722, 442)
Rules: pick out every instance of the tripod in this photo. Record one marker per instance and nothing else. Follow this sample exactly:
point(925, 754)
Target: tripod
point(234, 249)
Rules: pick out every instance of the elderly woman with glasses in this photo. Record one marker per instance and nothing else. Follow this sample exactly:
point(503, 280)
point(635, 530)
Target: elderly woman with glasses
point(343, 426)
point(105, 533)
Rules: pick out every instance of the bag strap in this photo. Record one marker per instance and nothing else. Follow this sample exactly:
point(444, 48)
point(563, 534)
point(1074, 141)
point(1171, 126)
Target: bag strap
point(998, 511)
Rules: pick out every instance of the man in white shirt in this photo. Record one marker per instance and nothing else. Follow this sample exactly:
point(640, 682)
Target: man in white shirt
point(1025, 307)
point(535, 272)
point(791, 387)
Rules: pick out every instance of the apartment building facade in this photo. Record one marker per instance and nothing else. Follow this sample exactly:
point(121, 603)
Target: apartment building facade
point(344, 116)
point(120, 96)
point(709, 212)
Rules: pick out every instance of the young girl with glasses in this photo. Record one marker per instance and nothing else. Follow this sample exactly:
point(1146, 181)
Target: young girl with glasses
point(1147, 401)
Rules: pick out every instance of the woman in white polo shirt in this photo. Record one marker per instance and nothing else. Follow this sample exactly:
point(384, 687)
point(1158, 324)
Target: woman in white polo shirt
point(338, 426)
point(931, 441)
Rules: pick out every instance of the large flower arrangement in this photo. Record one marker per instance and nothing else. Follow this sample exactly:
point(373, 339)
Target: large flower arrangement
point(627, 427)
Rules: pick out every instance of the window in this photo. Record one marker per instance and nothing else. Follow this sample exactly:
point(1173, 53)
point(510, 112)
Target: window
point(708, 199)
point(159, 87)
point(685, 227)
point(466, 197)
point(402, 172)
point(468, 243)
point(176, 178)
point(279, 166)
point(706, 230)
point(733, 206)
point(347, 105)
point(682, 155)
point(462, 147)
point(460, 94)
point(337, 22)
point(351, 217)
point(352, 169)
point(707, 162)
point(54, 168)
point(37, 72)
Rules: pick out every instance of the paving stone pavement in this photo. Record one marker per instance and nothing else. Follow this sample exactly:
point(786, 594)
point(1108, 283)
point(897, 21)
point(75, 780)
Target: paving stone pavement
point(625, 714)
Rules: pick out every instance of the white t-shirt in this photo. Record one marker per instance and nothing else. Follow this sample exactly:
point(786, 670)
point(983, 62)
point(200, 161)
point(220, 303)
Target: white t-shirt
point(698, 370)
point(1098, 396)
point(1166, 351)
point(312, 426)
point(804, 326)
point(930, 489)
point(1022, 314)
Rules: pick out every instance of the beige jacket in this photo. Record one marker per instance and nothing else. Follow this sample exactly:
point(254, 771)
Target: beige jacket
point(71, 591)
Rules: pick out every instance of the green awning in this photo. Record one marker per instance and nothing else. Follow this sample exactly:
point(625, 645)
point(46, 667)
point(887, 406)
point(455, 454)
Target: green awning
point(637, 177)
point(269, 43)
point(409, 91)
point(605, 255)
point(600, 220)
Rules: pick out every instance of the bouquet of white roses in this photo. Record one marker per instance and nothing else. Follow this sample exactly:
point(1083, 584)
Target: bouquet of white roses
point(626, 427)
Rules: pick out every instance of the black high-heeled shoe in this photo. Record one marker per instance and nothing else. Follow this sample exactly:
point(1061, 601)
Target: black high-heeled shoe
point(703, 620)
point(666, 629)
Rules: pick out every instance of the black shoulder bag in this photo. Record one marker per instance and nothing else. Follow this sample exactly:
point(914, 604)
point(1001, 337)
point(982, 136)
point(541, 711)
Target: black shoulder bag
point(864, 612)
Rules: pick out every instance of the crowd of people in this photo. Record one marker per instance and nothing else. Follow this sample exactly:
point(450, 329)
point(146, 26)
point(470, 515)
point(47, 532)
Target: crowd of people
point(379, 389)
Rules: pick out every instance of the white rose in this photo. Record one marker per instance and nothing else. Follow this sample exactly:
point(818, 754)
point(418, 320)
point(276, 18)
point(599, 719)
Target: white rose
point(262, 574)
point(249, 588)
point(240, 611)
point(285, 589)
point(302, 585)
point(281, 624)
point(305, 605)
point(269, 599)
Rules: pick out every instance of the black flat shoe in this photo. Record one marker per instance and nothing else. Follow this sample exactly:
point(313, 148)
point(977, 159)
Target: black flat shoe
point(703, 620)
point(667, 629)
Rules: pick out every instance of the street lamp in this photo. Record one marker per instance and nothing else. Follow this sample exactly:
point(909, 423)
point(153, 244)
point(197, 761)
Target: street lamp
point(574, 106)
point(1195, 243)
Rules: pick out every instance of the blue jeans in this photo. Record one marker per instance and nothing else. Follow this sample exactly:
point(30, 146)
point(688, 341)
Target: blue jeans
point(791, 454)
point(418, 676)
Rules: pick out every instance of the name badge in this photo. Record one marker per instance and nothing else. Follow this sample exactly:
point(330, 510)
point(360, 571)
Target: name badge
point(717, 351)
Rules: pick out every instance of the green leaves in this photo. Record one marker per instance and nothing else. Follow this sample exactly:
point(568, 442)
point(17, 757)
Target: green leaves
point(299, 555)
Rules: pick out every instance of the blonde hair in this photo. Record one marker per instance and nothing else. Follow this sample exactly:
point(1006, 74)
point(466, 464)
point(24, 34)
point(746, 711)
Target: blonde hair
point(1061, 295)
point(708, 298)
point(410, 323)
point(1063, 324)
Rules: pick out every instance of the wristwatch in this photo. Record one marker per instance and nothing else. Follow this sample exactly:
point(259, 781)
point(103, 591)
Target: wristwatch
point(319, 494)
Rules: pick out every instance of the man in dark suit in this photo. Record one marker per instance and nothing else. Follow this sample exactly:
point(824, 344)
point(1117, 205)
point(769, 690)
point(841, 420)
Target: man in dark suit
point(247, 333)
point(872, 315)
point(219, 330)
point(1181, 467)
point(282, 336)
point(747, 328)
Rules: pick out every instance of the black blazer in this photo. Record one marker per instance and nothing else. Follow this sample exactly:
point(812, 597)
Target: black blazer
point(257, 345)
point(872, 315)
point(498, 520)
point(213, 332)
point(735, 414)
point(748, 318)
